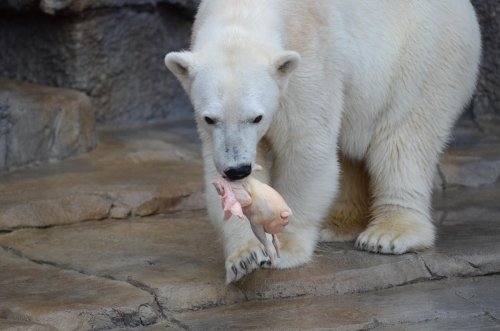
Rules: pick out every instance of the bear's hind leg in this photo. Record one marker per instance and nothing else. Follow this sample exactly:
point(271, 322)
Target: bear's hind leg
point(348, 216)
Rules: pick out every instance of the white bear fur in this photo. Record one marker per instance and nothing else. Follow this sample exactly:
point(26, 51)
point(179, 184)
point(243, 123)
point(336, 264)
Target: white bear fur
point(382, 81)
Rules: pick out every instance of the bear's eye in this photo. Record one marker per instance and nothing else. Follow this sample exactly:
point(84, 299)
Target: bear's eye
point(257, 119)
point(209, 120)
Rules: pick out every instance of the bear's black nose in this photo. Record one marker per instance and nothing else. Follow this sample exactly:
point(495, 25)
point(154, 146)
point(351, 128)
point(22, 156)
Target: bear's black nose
point(239, 172)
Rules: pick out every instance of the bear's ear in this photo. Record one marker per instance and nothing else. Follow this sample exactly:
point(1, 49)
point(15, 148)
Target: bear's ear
point(285, 63)
point(181, 64)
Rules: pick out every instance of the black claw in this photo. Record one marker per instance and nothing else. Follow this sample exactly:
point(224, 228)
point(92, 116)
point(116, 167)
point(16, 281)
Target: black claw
point(379, 248)
point(263, 263)
point(393, 248)
point(254, 257)
point(243, 265)
point(235, 270)
point(249, 260)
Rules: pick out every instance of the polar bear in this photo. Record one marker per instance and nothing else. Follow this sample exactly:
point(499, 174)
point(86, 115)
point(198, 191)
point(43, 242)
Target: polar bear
point(363, 90)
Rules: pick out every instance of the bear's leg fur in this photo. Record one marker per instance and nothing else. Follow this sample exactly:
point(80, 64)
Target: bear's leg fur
point(309, 188)
point(401, 165)
point(349, 214)
point(243, 251)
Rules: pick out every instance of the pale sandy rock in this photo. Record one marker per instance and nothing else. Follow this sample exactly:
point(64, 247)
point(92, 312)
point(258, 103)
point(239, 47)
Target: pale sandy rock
point(119, 212)
point(56, 211)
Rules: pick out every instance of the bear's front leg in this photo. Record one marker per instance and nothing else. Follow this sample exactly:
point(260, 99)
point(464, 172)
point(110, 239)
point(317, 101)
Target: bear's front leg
point(242, 250)
point(305, 173)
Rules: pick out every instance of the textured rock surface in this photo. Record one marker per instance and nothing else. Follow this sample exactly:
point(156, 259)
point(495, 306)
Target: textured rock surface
point(473, 158)
point(54, 6)
point(115, 55)
point(166, 272)
point(66, 300)
point(418, 307)
point(12, 325)
point(486, 104)
point(178, 256)
point(39, 123)
point(143, 172)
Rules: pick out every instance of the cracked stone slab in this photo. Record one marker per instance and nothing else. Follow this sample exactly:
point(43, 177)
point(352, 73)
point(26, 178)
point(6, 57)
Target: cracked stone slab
point(467, 242)
point(179, 258)
point(466, 249)
point(177, 255)
point(44, 297)
point(142, 172)
point(413, 307)
point(337, 269)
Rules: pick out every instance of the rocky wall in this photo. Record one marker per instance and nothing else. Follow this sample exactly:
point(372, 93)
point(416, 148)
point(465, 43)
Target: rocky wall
point(113, 54)
point(113, 51)
point(486, 104)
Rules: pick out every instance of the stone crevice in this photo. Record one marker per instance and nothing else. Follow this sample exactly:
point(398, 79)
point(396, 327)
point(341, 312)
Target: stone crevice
point(484, 312)
point(487, 313)
point(432, 274)
point(120, 319)
point(159, 308)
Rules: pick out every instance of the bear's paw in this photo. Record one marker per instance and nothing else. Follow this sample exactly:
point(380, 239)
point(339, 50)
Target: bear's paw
point(246, 260)
point(397, 233)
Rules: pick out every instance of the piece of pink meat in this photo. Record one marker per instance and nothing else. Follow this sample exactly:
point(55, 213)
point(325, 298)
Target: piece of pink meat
point(263, 206)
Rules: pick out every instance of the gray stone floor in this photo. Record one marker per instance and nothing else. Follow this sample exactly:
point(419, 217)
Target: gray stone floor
point(117, 239)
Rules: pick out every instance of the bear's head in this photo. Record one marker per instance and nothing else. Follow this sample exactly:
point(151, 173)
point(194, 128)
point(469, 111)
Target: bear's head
point(235, 93)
